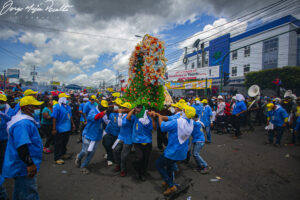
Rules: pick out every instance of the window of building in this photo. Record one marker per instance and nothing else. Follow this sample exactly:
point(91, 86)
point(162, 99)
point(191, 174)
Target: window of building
point(199, 64)
point(206, 62)
point(270, 53)
point(234, 71)
point(193, 65)
point(246, 68)
point(247, 51)
point(234, 55)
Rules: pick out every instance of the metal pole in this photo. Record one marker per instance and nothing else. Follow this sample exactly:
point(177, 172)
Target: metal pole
point(4, 80)
point(203, 55)
point(206, 87)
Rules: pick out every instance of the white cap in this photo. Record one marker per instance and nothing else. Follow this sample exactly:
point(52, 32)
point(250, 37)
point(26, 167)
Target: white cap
point(85, 99)
point(234, 97)
point(220, 97)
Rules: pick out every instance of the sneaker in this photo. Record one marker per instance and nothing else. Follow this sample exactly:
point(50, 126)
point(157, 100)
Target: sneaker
point(105, 156)
point(109, 163)
point(205, 170)
point(117, 168)
point(122, 173)
point(46, 150)
point(164, 184)
point(77, 161)
point(66, 156)
point(59, 162)
point(84, 171)
point(170, 190)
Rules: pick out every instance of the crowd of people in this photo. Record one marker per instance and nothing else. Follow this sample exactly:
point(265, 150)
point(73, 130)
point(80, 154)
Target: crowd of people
point(182, 128)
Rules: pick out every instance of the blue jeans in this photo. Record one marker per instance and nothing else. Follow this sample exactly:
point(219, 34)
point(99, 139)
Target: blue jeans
point(84, 152)
point(279, 131)
point(166, 168)
point(208, 135)
point(25, 188)
point(196, 153)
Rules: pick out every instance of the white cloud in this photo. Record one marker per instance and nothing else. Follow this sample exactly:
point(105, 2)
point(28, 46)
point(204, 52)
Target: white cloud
point(89, 61)
point(36, 39)
point(64, 70)
point(95, 78)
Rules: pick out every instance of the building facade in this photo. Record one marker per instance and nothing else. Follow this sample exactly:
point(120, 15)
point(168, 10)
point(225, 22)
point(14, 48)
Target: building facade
point(273, 44)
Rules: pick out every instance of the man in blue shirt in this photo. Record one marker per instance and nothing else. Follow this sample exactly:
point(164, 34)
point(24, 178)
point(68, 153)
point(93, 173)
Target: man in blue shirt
point(92, 134)
point(238, 111)
point(5, 116)
point(62, 125)
point(205, 118)
point(112, 129)
point(279, 118)
point(23, 154)
point(89, 106)
point(179, 132)
point(122, 149)
point(198, 106)
point(143, 124)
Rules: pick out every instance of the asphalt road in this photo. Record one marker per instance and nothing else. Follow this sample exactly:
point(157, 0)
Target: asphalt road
point(248, 170)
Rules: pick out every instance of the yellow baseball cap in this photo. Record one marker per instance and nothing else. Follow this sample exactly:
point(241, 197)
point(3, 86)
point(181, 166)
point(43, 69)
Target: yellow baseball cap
point(30, 100)
point(190, 112)
point(126, 105)
point(197, 99)
point(270, 106)
point(116, 94)
point(204, 101)
point(63, 95)
point(181, 101)
point(118, 101)
point(3, 97)
point(104, 103)
point(29, 92)
point(93, 97)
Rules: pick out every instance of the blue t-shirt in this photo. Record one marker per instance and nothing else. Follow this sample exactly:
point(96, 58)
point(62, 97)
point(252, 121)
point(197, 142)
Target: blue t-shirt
point(4, 118)
point(94, 128)
point(17, 108)
point(197, 134)
point(206, 115)
point(88, 106)
point(239, 107)
point(112, 127)
point(126, 130)
point(46, 121)
point(277, 116)
point(198, 108)
point(62, 114)
point(174, 150)
point(175, 116)
point(141, 133)
point(81, 106)
point(22, 132)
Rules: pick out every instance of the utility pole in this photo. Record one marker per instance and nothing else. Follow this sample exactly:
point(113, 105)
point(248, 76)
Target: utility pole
point(33, 74)
point(4, 80)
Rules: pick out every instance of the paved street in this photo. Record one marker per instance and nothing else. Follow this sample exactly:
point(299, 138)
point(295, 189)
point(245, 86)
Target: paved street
point(248, 170)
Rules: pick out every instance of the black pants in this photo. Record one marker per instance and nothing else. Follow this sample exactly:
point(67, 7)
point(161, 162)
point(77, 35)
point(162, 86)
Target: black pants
point(47, 132)
point(2, 153)
point(60, 144)
point(162, 138)
point(142, 155)
point(108, 141)
point(236, 123)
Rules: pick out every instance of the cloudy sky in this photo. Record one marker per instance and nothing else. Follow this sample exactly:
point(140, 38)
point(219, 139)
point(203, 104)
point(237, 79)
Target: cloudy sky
point(85, 42)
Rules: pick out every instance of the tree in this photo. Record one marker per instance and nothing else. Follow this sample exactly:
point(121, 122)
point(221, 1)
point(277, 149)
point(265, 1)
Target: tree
point(289, 76)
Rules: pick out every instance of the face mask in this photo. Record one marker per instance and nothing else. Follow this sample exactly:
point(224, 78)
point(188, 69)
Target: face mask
point(116, 107)
point(172, 109)
point(197, 102)
point(37, 112)
point(2, 106)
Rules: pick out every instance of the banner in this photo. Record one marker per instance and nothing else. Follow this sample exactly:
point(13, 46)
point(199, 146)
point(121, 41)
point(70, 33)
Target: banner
point(55, 83)
point(192, 85)
point(190, 74)
point(13, 73)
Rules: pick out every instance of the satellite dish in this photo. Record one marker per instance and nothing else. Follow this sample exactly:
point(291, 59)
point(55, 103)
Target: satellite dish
point(196, 43)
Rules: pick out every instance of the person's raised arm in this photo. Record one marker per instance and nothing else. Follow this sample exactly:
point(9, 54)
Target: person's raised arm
point(130, 114)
